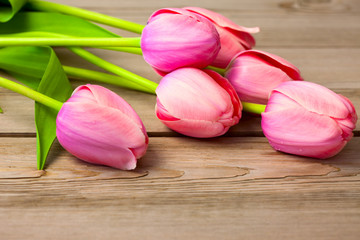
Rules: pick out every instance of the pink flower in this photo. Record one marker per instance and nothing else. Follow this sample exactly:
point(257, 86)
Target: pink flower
point(254, 74)
point(98, 126)
point(175, 38)
point(233, 38)
point(307, 119)
point(197, 103)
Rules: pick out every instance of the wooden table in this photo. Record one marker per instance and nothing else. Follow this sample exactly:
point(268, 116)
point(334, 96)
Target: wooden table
point(231, 187)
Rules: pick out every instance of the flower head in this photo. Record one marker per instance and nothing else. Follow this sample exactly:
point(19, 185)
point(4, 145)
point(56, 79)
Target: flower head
point(98, 126)
point(233, 38)
point(197, 103)
point(254, 74)
point(307, 119)
point(175, 38)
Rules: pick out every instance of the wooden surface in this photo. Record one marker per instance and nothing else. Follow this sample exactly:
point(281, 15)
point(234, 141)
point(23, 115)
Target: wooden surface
point(231, 187)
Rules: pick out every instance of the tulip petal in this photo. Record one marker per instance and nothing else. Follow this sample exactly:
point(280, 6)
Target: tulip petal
point(316, 98)
point(104, 97)
point(162, 113)
point(191, 92)
point(170, 41)
point(233, 38)
point(104, 137)
point(253, 81)
point(225, 84)
point(311, 135)
point(197, 128)
point(243, 33)
point(279, 102)
point(292, 71)
point(230, 46)
point(179, 11)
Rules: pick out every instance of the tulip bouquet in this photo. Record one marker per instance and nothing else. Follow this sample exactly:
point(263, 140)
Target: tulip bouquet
point(210, 74)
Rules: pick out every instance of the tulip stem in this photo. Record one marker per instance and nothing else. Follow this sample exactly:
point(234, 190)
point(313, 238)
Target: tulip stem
point(253, 107)
point(82, 73)
point(151, 86)
point(78, 41)
point(221, 71)
point(30, 93)
point(134, 50)
point(85, 14)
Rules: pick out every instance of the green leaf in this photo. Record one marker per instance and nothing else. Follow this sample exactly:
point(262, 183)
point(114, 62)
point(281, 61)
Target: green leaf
point(25, 63)
point(55, 84)
point(8, 8)
point(40, 22)
point(40, 69)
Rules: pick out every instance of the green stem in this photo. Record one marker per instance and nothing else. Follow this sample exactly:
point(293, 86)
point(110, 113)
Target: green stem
point(151, 86)
point(253, 107)
point(134, 50)
point(30, 93)
point(104, 78)
point(88, 74)
point(80, 41)
point(218, 70)
point(86, 14)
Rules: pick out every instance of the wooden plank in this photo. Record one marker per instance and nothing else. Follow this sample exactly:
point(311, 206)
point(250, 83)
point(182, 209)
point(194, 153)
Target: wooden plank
point(243, 7)
point(222, 188)
point(280, 25)
point(225, 158)
point(333, 68)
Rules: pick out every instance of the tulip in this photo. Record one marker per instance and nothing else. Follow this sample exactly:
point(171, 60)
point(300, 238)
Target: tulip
point(307, 119)
point(98, 126)
point(233, 38)
point(175, 38)
point(254, 74)
point(197, 103)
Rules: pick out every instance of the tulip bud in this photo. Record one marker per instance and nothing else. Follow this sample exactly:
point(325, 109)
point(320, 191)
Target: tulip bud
point(197, 103)
point(233, 38)
point(254, 74)
point(98, 126)
point(307, 119)
point(175, 38)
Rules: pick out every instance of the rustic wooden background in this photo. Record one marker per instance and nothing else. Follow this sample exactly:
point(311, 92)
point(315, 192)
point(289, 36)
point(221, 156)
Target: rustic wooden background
point(231, 187)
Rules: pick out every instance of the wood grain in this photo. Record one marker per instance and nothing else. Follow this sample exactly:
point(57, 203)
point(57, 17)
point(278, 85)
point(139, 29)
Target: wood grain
point(232, 187)
point(280, 25)
point(222, 188)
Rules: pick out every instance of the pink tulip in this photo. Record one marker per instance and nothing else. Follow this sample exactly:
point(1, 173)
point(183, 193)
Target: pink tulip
point(197, 103)
point(307, 119)
point(233, 38)
point(254, 74)
point(98, 126)
point(175, 38)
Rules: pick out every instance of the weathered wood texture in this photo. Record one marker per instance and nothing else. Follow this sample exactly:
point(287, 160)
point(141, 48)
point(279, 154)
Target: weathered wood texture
point(223, 188)
point(233, 187)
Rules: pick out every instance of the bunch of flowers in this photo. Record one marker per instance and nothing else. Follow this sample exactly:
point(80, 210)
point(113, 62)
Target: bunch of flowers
point(210, 74)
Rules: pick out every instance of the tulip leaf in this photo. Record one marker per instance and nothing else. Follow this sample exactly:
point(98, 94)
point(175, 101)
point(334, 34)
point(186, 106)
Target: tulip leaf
point(8, 8)
point(47, 22)
point(40, 69)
